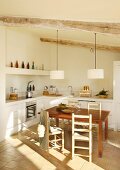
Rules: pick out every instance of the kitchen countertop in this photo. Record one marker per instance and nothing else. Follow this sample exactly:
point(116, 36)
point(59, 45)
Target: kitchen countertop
point(24, 99)
point(90, 98)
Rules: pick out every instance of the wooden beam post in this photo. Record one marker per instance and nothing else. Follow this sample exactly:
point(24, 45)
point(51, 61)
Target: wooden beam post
point(82, 44)
point(101, 27)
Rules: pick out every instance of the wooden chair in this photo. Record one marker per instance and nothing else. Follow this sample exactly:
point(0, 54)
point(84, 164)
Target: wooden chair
point(82, 135)
point(68, 123)
point(94, 106)
point(53, 136)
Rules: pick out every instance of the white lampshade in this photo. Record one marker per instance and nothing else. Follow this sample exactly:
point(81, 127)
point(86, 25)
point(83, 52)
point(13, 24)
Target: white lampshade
point(57, 74)
point(95, 74)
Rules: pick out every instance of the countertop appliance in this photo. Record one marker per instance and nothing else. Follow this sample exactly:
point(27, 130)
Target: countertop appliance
point(29, 93)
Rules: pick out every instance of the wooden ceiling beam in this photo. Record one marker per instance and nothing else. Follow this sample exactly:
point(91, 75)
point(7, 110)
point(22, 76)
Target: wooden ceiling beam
point(101, 27)
point(82, 44)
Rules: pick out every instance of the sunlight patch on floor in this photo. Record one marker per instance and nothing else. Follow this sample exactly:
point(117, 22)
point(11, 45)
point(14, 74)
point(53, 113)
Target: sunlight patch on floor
point(14, 141)
point(58, 155)
point(114, 144)
point(76, 163)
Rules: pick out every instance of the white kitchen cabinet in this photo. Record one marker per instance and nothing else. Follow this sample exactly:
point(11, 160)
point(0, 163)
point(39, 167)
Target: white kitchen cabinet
point(15, 115)
point(40, 106)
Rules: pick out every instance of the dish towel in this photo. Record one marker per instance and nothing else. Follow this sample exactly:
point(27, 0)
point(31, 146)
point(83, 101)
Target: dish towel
point(41, 130)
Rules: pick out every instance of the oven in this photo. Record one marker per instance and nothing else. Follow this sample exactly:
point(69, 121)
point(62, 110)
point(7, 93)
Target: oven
point(30, 110)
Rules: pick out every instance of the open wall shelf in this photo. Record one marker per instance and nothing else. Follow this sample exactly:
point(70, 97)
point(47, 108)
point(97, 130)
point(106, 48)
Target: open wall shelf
point(21, 71)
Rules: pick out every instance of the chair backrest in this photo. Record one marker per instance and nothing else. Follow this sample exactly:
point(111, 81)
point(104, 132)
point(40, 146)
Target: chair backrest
point(78, 123)
point(94, 106)
point(44, 120)
point(82, 124)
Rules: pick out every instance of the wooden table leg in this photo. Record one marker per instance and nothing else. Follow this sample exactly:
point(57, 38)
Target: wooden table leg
point(106, 129)
point(100, 146)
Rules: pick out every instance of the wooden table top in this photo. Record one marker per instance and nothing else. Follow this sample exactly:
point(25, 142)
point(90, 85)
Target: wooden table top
point(53, 112)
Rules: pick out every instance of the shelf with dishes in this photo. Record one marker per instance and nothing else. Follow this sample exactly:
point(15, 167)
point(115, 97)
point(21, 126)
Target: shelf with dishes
point(23, 71)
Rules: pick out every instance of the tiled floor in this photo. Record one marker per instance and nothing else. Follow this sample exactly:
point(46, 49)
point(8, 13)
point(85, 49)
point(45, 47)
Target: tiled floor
point(21, 152)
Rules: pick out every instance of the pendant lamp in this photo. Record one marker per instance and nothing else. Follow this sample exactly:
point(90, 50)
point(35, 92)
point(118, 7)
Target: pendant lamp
point(95, 73)
point(57, 74)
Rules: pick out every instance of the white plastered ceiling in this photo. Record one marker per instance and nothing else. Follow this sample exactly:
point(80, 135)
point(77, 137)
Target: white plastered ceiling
point(82, 10)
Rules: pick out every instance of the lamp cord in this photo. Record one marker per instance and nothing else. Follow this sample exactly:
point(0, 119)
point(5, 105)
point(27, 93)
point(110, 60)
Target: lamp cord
point(95, 50)
point(57, 49)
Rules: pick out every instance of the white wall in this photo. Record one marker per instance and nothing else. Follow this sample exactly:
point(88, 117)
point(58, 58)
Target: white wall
point(20, 83)
point(23, 45)
point(2, 82)
point(93, 10)
point(76, 61)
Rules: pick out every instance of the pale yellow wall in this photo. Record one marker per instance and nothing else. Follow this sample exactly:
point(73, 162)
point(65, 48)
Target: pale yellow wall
point(76, 61)
point(87, 10)
point(22, 45)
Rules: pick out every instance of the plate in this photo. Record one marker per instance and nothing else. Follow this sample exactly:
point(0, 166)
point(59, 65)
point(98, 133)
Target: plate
point(67, 111)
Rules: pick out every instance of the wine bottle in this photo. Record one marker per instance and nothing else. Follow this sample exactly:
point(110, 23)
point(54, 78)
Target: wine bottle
point(33, 87)
point(23, 66)
point(16, 64)
point(33, 65)
point(28, 66)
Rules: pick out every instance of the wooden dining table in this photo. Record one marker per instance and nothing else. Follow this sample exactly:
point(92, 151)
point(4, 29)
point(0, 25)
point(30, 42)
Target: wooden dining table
point(96, 119)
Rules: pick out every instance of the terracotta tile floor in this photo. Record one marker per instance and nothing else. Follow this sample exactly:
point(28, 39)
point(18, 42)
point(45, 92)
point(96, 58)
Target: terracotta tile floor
point(22, 152)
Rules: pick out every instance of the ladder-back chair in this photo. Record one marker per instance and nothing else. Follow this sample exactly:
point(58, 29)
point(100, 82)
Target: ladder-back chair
point(81, 135)
point(94, 106)
point(53, 136)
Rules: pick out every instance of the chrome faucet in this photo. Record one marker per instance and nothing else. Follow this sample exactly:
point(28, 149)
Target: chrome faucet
point(28, 87)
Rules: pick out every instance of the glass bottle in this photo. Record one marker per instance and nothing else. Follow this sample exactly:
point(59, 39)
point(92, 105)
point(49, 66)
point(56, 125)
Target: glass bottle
point(28, 66)
point(33, 88)
point(11, 64)
point(16, 64)
point(33, 65)
point(23, 66)
point(30, 88)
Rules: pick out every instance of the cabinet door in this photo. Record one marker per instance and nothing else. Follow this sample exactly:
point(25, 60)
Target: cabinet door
point(40, 105)
point(15, 118)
